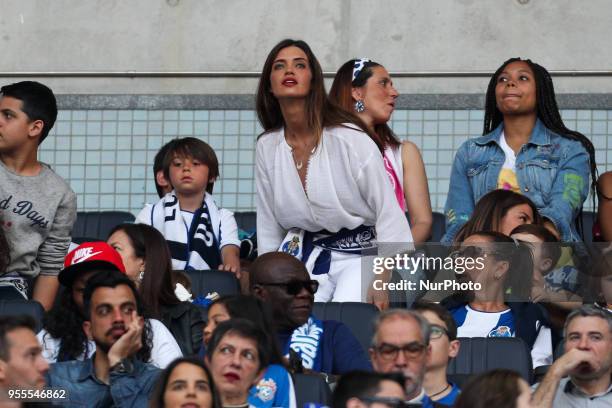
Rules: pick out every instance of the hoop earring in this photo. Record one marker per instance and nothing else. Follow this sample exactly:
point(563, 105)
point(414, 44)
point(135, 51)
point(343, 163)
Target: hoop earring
point(359, 106)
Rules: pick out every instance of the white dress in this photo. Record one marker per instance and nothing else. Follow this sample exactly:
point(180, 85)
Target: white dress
point(346, 187)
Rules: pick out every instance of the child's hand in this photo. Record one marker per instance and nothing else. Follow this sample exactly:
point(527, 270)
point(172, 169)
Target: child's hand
point(230, 267)
point(230, 255)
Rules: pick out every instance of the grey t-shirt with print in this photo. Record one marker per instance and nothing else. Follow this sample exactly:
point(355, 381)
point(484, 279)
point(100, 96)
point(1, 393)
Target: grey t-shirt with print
point(37, 214)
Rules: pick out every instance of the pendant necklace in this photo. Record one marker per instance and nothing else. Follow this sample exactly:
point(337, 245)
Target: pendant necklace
point(300, 163)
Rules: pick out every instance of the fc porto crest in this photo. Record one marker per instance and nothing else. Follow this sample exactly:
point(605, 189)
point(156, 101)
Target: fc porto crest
point(266, 389)
point(501, 331)
point(292, 247)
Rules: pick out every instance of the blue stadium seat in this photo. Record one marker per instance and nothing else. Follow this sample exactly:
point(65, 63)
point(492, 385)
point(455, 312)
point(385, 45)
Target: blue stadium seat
point(311, 388)
point(23, 307)
point(246, 220)
point(205, 282)
point(359, 317)
point(480, 354)
point(588, 220)
point(96, 225)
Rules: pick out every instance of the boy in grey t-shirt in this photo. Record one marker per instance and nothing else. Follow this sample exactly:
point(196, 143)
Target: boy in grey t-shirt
point(37, 207)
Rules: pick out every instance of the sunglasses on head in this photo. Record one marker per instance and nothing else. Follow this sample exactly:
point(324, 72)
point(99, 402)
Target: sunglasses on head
point(472, 252)
point(294, 286)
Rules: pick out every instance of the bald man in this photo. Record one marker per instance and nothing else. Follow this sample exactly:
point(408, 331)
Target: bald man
point(325, 346)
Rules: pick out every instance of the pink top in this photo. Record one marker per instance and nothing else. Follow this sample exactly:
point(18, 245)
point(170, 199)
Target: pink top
point(395, 182)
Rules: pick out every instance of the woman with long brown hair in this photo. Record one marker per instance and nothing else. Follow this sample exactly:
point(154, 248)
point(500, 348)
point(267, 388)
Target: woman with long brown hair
point(365, 87)
point(322, 191)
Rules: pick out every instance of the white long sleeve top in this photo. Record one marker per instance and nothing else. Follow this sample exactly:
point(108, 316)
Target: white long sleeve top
point(346, 186)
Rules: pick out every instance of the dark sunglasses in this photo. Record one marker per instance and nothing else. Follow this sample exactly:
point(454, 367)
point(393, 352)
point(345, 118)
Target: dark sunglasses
point(293, 287)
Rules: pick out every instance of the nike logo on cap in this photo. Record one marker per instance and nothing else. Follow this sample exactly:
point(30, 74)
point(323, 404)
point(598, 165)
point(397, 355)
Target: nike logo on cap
point(84, 256)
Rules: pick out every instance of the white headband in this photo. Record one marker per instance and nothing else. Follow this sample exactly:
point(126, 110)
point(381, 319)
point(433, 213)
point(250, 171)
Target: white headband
point(358, 66)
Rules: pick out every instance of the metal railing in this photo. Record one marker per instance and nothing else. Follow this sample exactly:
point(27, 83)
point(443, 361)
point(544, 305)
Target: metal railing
point(253, 74)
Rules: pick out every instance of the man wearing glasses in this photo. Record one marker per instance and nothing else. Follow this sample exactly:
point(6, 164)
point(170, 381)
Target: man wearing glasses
point(327, 346)
point(401, 344)
point(444, 346)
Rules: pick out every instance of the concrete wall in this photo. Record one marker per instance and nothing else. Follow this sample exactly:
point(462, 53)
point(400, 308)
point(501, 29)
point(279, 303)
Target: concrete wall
point(235, 35)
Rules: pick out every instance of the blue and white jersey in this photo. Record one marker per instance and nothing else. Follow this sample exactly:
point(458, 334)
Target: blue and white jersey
point(473, 323)
point(275, 389)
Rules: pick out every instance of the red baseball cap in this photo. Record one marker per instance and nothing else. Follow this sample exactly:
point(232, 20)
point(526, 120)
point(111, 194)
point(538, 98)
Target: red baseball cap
point(89, 256)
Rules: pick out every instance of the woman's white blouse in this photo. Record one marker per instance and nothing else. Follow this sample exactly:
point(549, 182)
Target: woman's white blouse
point(346, 186)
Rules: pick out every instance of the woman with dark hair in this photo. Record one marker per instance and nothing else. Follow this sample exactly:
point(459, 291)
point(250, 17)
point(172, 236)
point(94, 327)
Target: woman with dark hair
point(186, 381)
point(275, 388)
point(322, 191)
point(499, 269)
point(147, 260)
point(364, 87)
point(526, 148)
point(501, 211)
point(498, 388)
point(237, 355)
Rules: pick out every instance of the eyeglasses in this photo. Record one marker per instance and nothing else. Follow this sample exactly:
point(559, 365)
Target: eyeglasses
point(437, 331)
point(293, 287)
point(388, 401)
point(389, 352)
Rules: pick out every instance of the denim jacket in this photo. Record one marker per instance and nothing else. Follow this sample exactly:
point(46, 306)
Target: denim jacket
point(553, 171)
point(84, 389)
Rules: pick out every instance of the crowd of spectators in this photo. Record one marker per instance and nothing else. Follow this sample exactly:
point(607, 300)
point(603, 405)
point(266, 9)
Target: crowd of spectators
point(334, 184)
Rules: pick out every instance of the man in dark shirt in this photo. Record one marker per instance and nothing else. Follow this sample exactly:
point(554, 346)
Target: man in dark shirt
point(325, 346)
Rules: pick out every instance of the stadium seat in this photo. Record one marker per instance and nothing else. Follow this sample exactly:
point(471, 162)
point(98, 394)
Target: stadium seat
point(311, 388)
point(208, 281)
point(96, 225)
point(438, 227)
point(359, 317)
point(23, 307)
point(480, 354)
point(246, 221)
point(588, 220)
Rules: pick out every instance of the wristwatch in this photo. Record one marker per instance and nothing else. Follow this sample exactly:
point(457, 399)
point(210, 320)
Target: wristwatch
point(124, 366)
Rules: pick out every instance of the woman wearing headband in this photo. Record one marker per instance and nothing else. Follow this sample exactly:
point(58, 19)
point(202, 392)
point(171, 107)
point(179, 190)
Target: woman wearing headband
point(322, 191)
point(364, 87)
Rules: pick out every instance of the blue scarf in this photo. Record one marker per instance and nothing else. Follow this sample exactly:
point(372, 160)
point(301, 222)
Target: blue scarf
point(306, 341)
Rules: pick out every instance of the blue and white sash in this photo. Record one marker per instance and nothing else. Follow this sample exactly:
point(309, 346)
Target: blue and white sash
point(316, 247)
point(306, 341)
